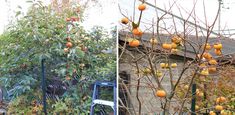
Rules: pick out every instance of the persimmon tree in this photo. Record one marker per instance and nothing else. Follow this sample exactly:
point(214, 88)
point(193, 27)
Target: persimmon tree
point(74, 60)
point(148, 47)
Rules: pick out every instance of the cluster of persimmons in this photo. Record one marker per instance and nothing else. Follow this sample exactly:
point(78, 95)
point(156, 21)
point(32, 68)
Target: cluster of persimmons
point(207, 66)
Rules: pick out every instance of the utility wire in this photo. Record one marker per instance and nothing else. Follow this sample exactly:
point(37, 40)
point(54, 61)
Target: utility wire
point(180, 18)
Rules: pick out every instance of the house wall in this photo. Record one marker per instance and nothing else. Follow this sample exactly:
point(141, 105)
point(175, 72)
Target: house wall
point(150, 103)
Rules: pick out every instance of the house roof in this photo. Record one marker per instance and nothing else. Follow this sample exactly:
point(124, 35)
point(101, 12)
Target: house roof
point(228, 44)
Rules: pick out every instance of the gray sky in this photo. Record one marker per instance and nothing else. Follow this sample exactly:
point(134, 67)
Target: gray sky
point(185, 6)
point(106, 16)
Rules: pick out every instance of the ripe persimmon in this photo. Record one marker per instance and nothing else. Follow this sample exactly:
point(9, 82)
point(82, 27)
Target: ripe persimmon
point(146, 71)
point(160, 93)
point(159, 74)
point(68, 19)
point(163, 65)
point(212, 113)
point(202, 65)
point(200, 94)
point(218, 46)
point(207, 46)
point(217, 52)
point(142, 7)
point(124, 20)
point(186, 87)
point(137, 31)
point(197, 107)
point(134, 43)
point(176, 39)
point(213, 62)
point(205, 72)
point(174, 51)
point(166, 46)
point(212, 69)
point(69, 44)
point(173, 45)
point(207, 56)
point(174, 65)
point(220, 99)
point(219, 108)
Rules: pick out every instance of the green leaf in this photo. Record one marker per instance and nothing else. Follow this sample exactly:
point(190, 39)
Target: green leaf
point(134, 25)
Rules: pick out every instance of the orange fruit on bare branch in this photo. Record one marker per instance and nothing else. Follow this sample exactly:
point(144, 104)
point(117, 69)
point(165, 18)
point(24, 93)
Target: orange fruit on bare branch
point(197, 107)
point(159, 74)
point(200, 94)
point(137, 31)
point(147, 71)
point(207, 56)
point(186, 87)
point(218, 52)
point(218, 46)
point(124, 20)
point(163, 65)
point(69, 45)
point(204, 72)
point(207, 46)
point(202, 65)
point(220, 99)
point(166, 46)
point(219, 108)
point(173, 45)
point(212, 69)
point(212, 113)
point(142, 7)
point(174, 51)
point(153, 41)
point(134, 43)
point(176, 39)
point(174, 65)
point(160, 93)
point(166, 66)
point(197, 91)
point(223, 112)
point(213, 62)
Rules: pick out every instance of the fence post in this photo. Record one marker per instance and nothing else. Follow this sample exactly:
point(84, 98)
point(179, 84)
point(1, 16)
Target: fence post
point(193, 99)
point(43, 87)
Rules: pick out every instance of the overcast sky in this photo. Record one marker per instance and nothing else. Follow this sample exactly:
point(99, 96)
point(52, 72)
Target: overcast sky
point(106, 16)
point(185, 6)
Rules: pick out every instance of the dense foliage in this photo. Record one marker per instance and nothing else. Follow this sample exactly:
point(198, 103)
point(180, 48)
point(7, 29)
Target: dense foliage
point(41, 34)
